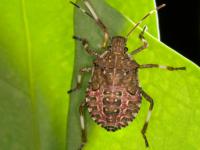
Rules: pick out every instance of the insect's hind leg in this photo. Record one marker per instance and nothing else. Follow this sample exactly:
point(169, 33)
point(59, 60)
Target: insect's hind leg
point(82, 122)
point(80, 78)
point(144, 41)
point(144, 129)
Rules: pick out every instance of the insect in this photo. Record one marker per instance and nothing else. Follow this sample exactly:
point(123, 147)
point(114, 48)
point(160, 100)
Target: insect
point(113, 96)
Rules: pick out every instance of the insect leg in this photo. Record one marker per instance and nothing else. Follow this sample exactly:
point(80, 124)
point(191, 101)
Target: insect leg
point(85, 44)
point(162, 67)
point(94, 16)
point(99, 22)
point(80, 78)
point(147, 15)
point(145, 43)
point(82, 122)
point(144, 129)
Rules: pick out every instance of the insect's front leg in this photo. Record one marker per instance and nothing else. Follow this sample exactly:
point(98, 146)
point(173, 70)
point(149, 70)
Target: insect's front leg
point(82, 122)
point(144, 41)
point(144, 129)
point(82, 71)
point(85, 44)
point(92, 14)
point(161, 66)
point(98, 21)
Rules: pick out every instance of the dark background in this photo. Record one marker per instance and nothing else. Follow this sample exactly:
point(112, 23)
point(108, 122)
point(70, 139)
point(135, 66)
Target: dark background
point(179, 27)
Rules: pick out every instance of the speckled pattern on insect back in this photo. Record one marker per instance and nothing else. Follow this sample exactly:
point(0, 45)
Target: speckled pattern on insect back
point(113, 97)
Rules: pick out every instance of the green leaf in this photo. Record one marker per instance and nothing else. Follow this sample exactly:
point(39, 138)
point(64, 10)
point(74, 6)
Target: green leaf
point(174, 124)
point(36, 52)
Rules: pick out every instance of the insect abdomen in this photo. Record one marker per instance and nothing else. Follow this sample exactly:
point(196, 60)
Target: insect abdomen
point(114, 107)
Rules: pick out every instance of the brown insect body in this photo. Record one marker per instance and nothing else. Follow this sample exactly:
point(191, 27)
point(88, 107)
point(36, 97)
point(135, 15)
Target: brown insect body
point(113, 97)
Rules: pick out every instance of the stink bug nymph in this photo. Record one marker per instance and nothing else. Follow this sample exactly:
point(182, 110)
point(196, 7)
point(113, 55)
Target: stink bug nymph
point(113, 96)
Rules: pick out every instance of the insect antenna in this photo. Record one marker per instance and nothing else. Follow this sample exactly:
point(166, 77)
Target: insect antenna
point(147, 15)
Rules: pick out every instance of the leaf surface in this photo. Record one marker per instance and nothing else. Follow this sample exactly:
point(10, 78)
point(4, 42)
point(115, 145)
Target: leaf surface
point(35, 70)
